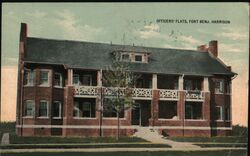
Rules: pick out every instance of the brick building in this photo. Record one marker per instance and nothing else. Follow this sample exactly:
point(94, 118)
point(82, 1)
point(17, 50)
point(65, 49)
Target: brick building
point(180, 92)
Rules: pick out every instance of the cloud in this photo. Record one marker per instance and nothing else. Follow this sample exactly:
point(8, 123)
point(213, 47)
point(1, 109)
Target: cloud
point(233, 33)
point(72, 29)
point(229, 48)
point(149, 31)
point(36, 14)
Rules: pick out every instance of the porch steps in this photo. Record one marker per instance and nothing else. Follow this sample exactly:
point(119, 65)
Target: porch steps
point(152, 135)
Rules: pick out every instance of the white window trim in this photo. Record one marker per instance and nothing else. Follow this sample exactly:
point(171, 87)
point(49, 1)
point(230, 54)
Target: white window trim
point(61, 80)
point(76, 109)
point(60, 110)
point(90, 77)
point(142, 58)
point(33, 78)
point(78, 83)
point(33, 109)
point(49, 77)
point(47, 104)
point(129, 57)
point(221, 113)
point(222, 84)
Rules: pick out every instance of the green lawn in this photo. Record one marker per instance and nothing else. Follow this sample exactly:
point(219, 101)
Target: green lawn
point(14, 139)
point(228, 139)
point(222, 144)
point(166, 153)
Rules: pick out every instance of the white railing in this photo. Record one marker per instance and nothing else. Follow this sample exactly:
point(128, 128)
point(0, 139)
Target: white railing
point(85, 90)
point(112, 91)
point(194, 95)
point(142, 92)
point(168, 94)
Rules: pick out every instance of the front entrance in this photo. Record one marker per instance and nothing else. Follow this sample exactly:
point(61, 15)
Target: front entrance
point(141, 113)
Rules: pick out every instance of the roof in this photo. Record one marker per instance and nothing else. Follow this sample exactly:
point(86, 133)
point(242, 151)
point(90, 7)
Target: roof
point(89, 55)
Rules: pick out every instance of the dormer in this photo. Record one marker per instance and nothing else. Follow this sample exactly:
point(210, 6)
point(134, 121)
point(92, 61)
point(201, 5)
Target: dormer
point(132, 56)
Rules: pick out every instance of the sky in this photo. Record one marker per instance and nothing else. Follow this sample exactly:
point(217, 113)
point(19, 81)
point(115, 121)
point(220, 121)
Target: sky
point(126, 23)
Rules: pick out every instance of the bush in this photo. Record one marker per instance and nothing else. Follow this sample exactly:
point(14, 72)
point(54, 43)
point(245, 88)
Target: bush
point(7, 127)
point(240, 131)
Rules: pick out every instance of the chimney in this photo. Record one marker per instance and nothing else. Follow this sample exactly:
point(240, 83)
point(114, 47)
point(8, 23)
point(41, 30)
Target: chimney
point(213, 48)
point(23, 32)
point(202, 48)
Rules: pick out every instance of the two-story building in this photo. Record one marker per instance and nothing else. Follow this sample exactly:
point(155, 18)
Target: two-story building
point(180, 92)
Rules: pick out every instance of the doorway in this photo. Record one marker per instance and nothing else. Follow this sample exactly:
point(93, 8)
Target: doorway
point(141, 113)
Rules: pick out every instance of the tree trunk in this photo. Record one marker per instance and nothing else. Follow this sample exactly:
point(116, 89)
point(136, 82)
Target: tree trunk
point(118, 126)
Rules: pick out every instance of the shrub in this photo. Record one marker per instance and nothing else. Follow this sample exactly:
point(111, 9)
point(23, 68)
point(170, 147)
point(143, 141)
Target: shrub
point(240, 131)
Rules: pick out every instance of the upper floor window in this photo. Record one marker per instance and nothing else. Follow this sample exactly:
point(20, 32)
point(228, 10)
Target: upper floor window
point(29, 108)
point(87, 80)
point(219, 86)
point(44, 78)
point(29, 77)
point(43, 108)
point(58, 80)
point(138, 58)
point(76, 79)
point(125, 57)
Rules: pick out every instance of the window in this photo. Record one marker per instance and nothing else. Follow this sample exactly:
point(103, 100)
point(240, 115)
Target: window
point(44, 78)
point(76, 79)
point(87, 80)
point(109, 110)
point(57, 109)
point(227, 114)
point(29, 108)
point(29, 77)
point(219, 86)
point(58, 80)
point(188, 85)
point(193, 110)
point(84, 108)
point(168, 110)
point(43, 108)
point(125, 57)
point(138, 58)
point(219, 113)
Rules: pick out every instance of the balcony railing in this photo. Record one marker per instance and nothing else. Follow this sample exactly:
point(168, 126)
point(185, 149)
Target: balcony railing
point(85, 91)
point(92, 91)
point(193, 95)
point(168, 94)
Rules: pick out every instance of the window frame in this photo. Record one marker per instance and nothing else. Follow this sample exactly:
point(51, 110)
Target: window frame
point(221, 113)
point(125, 60)
point(89, 77)
point(142, 58)
point(78, 79)
point(221, 89)
point(47, 108)
point(60, 110)
point(48, 77)
point(60, 81)
point(31, 77)
point(32, 109)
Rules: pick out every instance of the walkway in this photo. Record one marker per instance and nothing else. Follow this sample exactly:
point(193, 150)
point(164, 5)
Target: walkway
point(153, 136)
point(5, 139)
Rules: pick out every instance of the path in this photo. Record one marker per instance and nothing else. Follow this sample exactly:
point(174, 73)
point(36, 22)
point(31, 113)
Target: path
point(153, 136)
point(5, 139)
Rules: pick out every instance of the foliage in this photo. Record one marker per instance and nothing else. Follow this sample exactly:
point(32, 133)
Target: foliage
point(240, 131)
point(7, 127)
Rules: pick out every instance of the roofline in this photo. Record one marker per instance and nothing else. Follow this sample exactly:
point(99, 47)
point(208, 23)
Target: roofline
point(131, 46)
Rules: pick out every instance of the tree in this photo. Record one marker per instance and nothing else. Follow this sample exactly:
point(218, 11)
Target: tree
point(120, 81)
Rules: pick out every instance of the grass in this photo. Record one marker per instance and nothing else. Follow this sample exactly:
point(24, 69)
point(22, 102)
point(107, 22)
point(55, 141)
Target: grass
point(7, 127)
point(221, 145)
point(68, 146)
point(228, 139)
point(14, 139)
point(145, 153)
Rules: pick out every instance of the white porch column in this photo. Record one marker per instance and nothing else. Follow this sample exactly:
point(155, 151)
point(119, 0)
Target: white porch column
point(70, 77)
point(206, 84)
point(180, 82)
point(99, 78)
point(154, 81)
